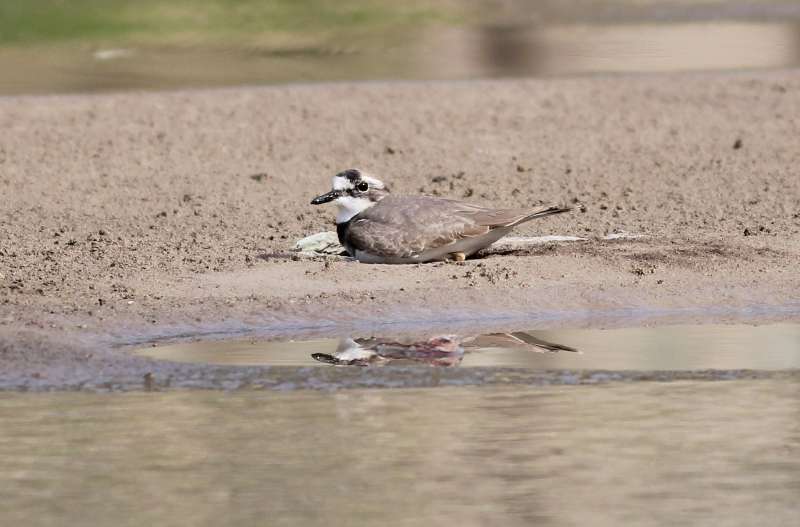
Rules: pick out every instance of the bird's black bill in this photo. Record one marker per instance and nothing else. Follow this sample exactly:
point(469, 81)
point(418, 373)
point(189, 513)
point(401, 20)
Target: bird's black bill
point(325, 198)
point(326, 358)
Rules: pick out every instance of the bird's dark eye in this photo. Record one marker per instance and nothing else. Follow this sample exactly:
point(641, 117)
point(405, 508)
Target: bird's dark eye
point(362, 186)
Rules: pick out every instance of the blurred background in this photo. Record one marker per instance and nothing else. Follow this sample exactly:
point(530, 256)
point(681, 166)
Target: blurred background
point(63, 46)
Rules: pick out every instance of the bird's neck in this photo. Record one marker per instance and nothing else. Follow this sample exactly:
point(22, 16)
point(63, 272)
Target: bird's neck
point(350, 206)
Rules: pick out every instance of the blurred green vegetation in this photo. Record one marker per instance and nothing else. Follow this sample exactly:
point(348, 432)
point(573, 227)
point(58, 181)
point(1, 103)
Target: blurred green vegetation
point(29, 22)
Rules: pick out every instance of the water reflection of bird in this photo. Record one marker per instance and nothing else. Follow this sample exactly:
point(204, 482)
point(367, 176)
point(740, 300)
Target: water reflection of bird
point(517, 339)
point(443, 350)
point(447, 350)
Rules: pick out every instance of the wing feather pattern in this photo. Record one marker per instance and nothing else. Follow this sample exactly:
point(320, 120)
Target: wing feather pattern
point(405, 227)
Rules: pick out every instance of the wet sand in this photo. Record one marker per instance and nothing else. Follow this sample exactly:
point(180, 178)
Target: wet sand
point(128, 216)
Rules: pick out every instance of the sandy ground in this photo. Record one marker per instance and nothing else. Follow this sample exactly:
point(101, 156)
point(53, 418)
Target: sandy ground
point(129, 216)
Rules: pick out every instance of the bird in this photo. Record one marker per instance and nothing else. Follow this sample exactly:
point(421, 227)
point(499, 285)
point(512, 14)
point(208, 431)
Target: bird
point(443, 350)
point(375, 226)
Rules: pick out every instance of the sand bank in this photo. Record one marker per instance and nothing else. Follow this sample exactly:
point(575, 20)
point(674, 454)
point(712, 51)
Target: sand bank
point(158, 213)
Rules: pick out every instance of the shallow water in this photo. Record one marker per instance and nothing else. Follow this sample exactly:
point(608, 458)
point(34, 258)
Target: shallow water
point(723, 347)
point(683, 453)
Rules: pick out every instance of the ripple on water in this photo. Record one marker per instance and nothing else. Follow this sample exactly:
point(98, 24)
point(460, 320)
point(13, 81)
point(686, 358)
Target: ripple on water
point(695, 453)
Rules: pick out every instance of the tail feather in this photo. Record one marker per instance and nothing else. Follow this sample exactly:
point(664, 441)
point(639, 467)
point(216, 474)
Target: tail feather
point(540, 214)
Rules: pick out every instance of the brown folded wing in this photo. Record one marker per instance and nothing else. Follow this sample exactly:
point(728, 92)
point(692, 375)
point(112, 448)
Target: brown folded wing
point(404, 227)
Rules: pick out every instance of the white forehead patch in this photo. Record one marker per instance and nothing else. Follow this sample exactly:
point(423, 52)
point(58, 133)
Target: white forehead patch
point(341, 183)
point(354, 352)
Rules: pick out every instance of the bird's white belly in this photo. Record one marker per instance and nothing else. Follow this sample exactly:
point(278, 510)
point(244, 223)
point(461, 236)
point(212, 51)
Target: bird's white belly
point(468, 246)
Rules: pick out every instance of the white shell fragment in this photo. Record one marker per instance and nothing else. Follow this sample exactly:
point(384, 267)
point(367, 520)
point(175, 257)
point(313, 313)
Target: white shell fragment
point(319, 244)
point(623, 235)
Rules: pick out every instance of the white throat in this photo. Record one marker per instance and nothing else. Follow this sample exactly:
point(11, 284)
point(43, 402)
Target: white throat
point(350, 206)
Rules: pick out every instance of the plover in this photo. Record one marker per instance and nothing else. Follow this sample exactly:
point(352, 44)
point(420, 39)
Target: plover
point(377, 227)
point(445, 350)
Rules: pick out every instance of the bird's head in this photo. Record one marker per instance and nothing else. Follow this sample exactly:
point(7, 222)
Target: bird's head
point(353, 191)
